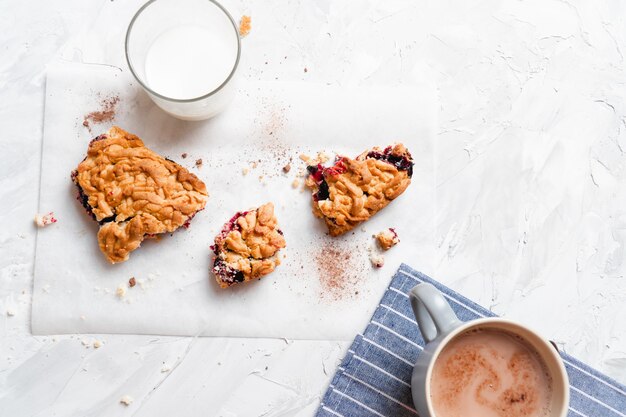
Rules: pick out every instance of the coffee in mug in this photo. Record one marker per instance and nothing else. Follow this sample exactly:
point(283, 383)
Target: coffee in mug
point(490, 373)
point(484, 367)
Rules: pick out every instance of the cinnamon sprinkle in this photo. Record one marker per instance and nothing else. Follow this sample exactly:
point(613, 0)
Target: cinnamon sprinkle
point(107, 112)
point(338, 272)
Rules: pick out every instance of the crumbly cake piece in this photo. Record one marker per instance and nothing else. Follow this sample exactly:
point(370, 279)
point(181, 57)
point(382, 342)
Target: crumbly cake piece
point(353, 190)
point(247, 247)
point(245, 25)
point(387, 239)
point(134, 193)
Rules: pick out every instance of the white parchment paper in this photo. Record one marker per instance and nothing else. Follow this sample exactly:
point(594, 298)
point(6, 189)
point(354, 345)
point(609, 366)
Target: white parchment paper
point(325, 288)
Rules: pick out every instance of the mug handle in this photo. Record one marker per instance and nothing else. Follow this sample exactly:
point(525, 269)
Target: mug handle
point(433, 313)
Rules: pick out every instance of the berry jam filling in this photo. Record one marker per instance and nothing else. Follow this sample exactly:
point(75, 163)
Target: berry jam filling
point(232, 223)
point(319, 175)
point(401, 162)
point(82, 197)
point(97, 138)
point(221, 269)
point(109, 219)
point(188, 222)
point(227, 273)
point(322, 192)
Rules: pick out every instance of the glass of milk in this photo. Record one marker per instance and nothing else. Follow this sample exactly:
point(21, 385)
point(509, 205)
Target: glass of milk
point(184, 53)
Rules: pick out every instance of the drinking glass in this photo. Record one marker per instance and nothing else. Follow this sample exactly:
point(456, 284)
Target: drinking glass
point(200, 31)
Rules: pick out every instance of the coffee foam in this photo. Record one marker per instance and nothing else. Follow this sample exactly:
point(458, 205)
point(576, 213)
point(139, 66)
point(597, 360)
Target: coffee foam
point(490, 373)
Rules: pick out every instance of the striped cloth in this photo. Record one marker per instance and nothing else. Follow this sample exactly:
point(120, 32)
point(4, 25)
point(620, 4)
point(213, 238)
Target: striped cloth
point(373, 379)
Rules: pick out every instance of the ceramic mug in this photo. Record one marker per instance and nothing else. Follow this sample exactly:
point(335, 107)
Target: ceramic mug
point(439, 325)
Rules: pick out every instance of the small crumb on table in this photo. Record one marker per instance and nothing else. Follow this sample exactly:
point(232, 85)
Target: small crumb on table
point(121, 291)
point(10, 312)
point(287, 168)
point(376, 258)
point(126, 400)
point(184, 155)
point(245, 25)
point(245, 170)
point(42, 220)
point(97, 344)
point(199, 162)
point(132, 282)
point(387, 239)
point(322, 157)
point(295, 183)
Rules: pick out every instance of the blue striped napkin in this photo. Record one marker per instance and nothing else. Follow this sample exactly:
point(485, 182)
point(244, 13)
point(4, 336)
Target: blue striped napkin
point(374, 377)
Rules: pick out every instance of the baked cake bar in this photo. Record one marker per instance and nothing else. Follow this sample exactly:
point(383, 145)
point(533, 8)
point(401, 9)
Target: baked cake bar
point(247, 247)
point(353, 190)
point(134, 193)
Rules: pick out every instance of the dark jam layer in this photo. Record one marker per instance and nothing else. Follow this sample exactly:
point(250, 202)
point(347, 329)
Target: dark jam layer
point(401, 162)
point(319, 175)
point(226, 273)
point(221, 269)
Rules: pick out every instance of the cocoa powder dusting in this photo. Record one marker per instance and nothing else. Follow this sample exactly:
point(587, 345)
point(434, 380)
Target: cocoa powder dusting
point(338, 272)
point(107, 112)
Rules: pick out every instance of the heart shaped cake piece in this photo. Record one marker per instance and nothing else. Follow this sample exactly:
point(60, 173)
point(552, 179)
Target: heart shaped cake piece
point(134, 193)
point(353, 190)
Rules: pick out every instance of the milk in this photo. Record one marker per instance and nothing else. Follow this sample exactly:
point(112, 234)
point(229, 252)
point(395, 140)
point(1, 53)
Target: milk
point(189, 61)
point(490, 373)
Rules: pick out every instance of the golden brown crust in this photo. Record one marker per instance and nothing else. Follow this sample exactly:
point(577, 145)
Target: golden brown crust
point(134, 193)
point(354, 190)
point(247, 248)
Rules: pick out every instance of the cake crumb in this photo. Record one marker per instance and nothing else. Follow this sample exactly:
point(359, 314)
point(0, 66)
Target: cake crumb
point(245, 170)
point(287, 168)
point(305, 69)
point(85, 343)
point(184, 155)
point(387, 239)
point(254, 164)
point(126, 400)
point(132, 282)
point(43, 220)
point(245, 25)
point(97, 344)
point(376, 258)
point(199, 162)
point(295, 183)
point(121, 291)
point(10, 312)
point(165, 368)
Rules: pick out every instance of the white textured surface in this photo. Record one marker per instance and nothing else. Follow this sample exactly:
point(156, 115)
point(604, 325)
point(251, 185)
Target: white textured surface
point(530, 174)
